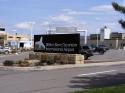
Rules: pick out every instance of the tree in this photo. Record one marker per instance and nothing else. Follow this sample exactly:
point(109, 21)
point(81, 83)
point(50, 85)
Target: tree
point(121, 9)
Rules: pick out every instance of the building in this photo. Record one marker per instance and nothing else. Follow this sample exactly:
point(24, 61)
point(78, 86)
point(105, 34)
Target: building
point(117, 35)
point(105, 33)
point(94, 36)
point(70, 30)
point(111, 43)
point(3, 36)
point(18, 41)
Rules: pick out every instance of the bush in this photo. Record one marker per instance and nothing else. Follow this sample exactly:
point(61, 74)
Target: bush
point(62, 63)
point(24, 63)
point(40, 64)
point(50, 62)
point(8, 63)
point(13, 51)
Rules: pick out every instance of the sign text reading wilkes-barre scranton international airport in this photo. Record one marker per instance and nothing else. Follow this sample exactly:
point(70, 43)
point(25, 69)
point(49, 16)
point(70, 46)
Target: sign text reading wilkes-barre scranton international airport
point(60, 47)
point(57, 43)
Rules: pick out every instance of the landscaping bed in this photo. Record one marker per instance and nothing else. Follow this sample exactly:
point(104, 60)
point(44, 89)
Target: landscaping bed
point(46, 59)
point(115, 89)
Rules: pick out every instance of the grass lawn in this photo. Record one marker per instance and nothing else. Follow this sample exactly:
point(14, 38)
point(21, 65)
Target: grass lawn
point(116, 89)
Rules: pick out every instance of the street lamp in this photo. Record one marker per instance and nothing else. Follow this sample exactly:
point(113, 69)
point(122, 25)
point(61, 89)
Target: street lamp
point(85, 34)
point(97, 37)
point(16, 42)
point(31, 31)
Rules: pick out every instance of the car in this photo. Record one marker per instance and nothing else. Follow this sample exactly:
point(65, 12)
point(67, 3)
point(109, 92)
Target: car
point(99, 49)
point(5, 50)
point(86, 51)
point(104, 47)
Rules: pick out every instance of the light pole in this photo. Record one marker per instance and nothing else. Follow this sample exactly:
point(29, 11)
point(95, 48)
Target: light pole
point(85, 35)
point(15, 35)
point(97, 38)
point(31, 29)
point(31, 32)
point(117, 43)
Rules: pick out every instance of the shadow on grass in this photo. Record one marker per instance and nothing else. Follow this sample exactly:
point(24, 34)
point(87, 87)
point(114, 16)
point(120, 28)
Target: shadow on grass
point(100, 81)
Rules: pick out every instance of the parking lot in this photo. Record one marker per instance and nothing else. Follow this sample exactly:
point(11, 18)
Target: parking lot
point(109, 56)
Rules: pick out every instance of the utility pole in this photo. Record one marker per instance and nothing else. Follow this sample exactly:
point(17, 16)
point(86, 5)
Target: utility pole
point(85, 35)
point(31, 32)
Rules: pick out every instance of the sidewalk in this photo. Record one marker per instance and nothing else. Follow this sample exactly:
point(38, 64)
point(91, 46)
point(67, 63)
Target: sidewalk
point(61, 66)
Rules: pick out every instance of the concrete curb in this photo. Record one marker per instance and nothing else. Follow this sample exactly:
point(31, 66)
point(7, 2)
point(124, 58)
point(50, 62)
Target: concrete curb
point(40, 68)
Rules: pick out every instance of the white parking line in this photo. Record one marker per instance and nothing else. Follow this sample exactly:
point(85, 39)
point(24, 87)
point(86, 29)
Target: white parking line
point(88, 74)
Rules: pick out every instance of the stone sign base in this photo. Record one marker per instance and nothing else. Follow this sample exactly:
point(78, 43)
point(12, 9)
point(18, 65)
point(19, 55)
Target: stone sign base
point(58, 57)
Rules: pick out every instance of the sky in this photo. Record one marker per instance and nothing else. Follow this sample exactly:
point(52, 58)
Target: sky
point(22, 16)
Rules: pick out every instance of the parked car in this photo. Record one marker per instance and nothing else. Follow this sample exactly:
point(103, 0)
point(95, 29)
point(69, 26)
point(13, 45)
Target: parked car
point(5, 50)
point(99, 49)
point(86, 51)
point(104, 47)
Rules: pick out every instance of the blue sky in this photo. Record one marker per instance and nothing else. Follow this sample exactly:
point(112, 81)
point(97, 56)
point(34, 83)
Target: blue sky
point(19, 16)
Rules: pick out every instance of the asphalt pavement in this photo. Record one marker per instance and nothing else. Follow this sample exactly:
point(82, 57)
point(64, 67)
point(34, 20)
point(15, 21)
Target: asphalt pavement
point(109, 56)
point(61, 81)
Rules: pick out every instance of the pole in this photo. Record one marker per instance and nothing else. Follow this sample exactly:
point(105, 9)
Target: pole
point(31, 32)
point(97, 40)
point(117, 43)
point(16, 41)
point(85, 37)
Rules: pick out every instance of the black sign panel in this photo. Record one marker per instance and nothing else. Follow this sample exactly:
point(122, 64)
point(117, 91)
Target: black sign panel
point(57, 43)
point(2, 29)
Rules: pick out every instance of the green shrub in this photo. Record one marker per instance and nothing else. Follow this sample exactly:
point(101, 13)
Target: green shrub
point(13, 51)
point(24, 63)
point(50, 62)
point(8, 63)
point(61, 63)
point(40, 64)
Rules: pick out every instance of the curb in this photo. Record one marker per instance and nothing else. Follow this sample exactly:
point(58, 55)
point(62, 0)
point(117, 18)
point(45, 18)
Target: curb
point(43, 68)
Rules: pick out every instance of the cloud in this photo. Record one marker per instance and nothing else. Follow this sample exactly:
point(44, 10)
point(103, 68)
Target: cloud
point(102, 8)
point(62, 20)
point(45, 23)
point(62, 17)
point(24, 25)
point(73, 12)
point(111, 25)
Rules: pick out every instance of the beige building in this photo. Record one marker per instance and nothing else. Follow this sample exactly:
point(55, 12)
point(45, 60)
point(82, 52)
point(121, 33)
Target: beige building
point(116, 35)
point(3, 36)
point(94, 36)
point(17, 37)
point(14, 40)
point(111, 43)
point(116, 41)
point(18, 41)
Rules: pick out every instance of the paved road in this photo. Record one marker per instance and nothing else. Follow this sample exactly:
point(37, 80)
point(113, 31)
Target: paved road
point(61, 81)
